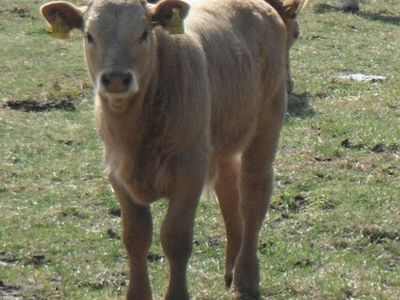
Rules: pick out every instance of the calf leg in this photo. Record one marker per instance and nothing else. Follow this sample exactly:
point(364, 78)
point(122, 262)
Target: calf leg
point(256, 181)
point(226, 188)
point(256, 189)
point(289, 78)
point(350, 6)
point(177, 236)
point(137, 235)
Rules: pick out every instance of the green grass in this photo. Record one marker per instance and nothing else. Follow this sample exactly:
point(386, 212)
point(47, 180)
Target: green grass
point(333, 231)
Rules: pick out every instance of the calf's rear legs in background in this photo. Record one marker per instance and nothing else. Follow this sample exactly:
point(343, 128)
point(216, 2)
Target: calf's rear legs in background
point(255, 189)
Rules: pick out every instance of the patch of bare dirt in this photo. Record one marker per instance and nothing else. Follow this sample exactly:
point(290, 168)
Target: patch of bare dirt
point(39, 105)
point(7, 258)
point(9, 292)
point(18, 11)
point(21, 12)
point(378, 235)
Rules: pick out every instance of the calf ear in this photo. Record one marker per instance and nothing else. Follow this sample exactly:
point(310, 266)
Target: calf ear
point(62, 17)
point(170, 14)
point(292, 8)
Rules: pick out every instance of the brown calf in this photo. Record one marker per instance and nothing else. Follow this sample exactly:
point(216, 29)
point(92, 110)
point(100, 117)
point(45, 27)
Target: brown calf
point(170, 108)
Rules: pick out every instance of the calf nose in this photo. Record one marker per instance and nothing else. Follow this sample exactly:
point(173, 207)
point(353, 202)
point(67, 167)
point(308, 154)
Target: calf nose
point(116, 81)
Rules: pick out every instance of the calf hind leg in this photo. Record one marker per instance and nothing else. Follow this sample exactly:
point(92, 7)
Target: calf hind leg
point(256, 184)
point(255, 192)
point(226, 188)
point(350, 6)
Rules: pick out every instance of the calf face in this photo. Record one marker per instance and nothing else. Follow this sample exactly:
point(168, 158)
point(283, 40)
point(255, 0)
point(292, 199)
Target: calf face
point(118, 48)
point(118, 39)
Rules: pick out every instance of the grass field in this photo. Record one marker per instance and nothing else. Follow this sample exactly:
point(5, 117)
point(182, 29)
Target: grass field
point(333, 231)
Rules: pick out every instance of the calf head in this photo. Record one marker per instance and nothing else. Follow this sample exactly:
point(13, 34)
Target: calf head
point(119, 40)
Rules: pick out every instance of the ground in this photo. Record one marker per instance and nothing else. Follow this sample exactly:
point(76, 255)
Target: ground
point(333, 230)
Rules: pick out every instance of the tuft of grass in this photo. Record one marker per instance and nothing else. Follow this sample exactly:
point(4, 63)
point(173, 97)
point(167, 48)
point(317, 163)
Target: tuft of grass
point(333, 230)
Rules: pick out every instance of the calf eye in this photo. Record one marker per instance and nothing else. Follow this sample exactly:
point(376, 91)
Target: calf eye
point(89, 38)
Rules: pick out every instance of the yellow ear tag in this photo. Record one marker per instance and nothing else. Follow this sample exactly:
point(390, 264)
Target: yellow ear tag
point(58, 28)
point(175, 25)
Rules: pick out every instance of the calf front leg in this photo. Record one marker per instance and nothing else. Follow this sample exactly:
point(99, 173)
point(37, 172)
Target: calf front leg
point(137, 235)
point(177, 237)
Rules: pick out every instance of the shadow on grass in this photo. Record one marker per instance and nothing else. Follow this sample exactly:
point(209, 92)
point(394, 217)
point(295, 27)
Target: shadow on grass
point(298, 106)
point(380, 17)
point(326, 8)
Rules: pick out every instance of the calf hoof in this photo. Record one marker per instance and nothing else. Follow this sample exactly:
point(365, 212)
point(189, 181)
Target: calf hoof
point(177, 295)
point(228, 280)
point(350, 10)
point(290, 86)
point(246, 278)
point(248, 295)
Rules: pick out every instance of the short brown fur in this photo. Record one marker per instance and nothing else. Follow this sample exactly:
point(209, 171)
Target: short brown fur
point(171, 107)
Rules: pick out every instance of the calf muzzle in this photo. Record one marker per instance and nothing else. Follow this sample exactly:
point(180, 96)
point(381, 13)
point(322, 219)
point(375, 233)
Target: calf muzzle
point(114, 82)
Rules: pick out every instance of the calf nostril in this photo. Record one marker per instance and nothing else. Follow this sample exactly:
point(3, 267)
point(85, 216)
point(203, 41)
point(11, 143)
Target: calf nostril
point(116, 81)
point(105, 80)
point(124, 78)
point(128, 79)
